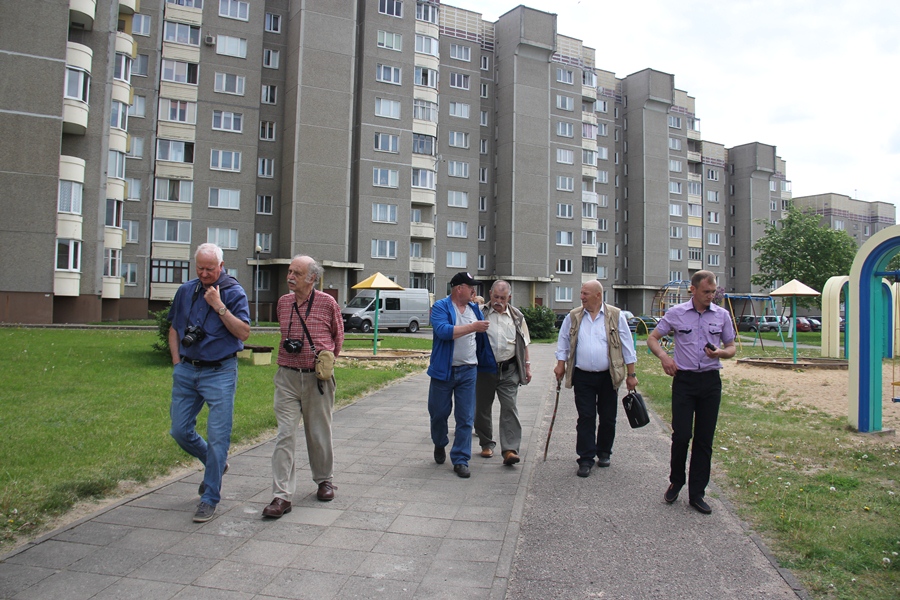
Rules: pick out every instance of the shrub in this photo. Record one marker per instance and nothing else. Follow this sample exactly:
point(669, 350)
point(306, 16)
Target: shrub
point(541, 321)
point(162, 329)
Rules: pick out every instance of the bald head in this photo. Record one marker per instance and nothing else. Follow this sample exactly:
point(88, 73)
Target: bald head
point(592, 295)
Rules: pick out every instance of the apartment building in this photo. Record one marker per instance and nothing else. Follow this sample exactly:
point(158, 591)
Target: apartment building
point(859, 218)
point(408, 137)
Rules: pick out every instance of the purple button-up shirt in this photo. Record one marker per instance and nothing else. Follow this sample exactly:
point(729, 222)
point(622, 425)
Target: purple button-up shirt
point(692, 330)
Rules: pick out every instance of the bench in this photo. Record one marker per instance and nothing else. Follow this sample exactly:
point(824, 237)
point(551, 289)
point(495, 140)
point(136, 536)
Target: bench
point(258, 355)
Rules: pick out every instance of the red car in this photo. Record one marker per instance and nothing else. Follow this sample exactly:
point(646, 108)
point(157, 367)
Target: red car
point(803, 324)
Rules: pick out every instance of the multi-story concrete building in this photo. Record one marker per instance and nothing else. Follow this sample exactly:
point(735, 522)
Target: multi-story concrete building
point(859, 218)
point(402, 136)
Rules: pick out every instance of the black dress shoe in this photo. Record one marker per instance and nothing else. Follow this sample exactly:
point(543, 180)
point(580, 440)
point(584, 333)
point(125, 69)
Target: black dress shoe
point(462, 470)
point(603, 460)
point(671, 494)
point(440, 455)
point(700, 505)
point(584, 469)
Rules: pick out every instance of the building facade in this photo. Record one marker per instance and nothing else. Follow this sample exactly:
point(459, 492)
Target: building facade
point(408, 137)
point(859, 218)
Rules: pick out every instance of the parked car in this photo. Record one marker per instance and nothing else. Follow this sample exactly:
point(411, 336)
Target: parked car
point(398, 309)
point(803, 324)
point(748, 323)
point(642, 324)
point(560, 317)
point(815, 323)
point(761, 323)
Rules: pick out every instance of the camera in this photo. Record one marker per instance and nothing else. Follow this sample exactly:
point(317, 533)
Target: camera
point(292, 346)
point(192, 335)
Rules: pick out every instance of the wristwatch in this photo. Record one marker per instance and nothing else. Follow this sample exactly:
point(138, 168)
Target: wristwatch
point(222, 311)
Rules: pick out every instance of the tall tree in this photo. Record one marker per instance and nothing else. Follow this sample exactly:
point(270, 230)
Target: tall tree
point(799, 247)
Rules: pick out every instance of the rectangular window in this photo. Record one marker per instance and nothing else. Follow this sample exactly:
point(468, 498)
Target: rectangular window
point(457, 260)
point(122, 68)
point(225, 160)
point(712, 217)
point(133, 189)
point(712, 260)
point(112, 261)
point(179, 111)
point(602, 272)
point(588, 131)
point(458, 199)
point(458, 168)
point(181, 33)
point(564, 211)
point(563, 294)
point(129, 273)
point(226, 83)
point(713, 175)
point(68, 255)
point(674, 143)
point(423, 144)
point(675, 187)
point(393, 8)
point(267, 131)
point(427, 45)
point(224, 120)
point(427, 13)
point(602, 106)
point(265, 168)
point(482, 175)
point(565, 76)
point(174, 190)
point(171, 230)
point(114, 209)
point(482, 262)
point(602, 248)
point(602, 129)
point(140, 24)
point(695, 188)
point(674, 122)
point(484, 90)
point(603, 177)
point(695, 254)
point(695, 232)
point(675, 210)
point(138, 107)
point(675, 276)
point(483, 118)
point(264, 241)
point(385, 177)
point(223, 237)
point(564, 183)
point(384, 249)
point(589, 157)
point(482, 204)
point(140, 66)
point(459, 80)
point(459, 109)
point(485, 63)
point(269, 94)
point(221, 198)
point(263, 204)
point(384, 213)
point(169, 271)
point(460, 52)
point(391, 41)
point(70, 197)
point(234, 9)
point(271, 58)
point(457, 229)
point(426, 77)
point(175, 151)
point(415, 249)
point(386, 142)
point(425, 110)
point(564, 129)
point(483, 146)
point(564, 156)
point(387, 74)
point(564, 265)
point(423, 179)
point(603, 153)
point(459, 139)
point(675, 254)
point(273, 23)
point(588, 237)
point(588, 210)
point(179, 72)
point(675, 166)
point(603, 225)
point(695, 210)
point(387, 108)
point(482, 233)
point(565, 238)
point(675, 233)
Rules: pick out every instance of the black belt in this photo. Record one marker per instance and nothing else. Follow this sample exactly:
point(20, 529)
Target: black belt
point(507, 363)
point(206, 363)
point(300, 370)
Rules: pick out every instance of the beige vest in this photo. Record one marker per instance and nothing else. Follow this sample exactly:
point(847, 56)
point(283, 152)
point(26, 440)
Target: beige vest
point(613, 344)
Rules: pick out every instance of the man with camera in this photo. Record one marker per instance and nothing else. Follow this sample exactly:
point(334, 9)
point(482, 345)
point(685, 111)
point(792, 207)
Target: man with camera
point(310, 324)
point(210, 319)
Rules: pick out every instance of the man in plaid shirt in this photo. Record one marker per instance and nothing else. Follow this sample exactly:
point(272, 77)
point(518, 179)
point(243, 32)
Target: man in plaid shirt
point(297, 389)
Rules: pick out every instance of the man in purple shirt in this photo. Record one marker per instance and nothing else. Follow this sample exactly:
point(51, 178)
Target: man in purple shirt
point(699, 328)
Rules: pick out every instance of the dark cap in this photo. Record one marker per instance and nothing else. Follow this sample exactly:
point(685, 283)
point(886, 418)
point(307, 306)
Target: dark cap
point(462, 278)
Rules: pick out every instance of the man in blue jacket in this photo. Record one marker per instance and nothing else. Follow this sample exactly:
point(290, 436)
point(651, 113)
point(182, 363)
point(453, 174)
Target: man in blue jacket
point(458, 350)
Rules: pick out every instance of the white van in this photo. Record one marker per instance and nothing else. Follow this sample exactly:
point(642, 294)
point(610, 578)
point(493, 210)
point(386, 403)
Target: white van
point(399, 309)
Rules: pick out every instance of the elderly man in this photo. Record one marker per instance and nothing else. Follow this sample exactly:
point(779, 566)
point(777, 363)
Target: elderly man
point(458, 350)
point(700, 328)
point(509, 339)
point(595, 352)
point(210, 320)
point(310, 322)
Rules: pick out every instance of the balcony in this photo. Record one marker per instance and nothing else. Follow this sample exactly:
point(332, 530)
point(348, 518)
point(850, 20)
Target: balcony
point(588, 117)
point(66, 283)
point(423, 196)
point(125, 44)
point(82, 12)
point(694, 156)
point(421, 265)
point(589, 92)
point(113, 288)
point(184, 14)
point(589, 171)
point(695, 177)
point(591, 197)
point(693, 134)
point(421, 230)
point(129, 7)
point(113, 238)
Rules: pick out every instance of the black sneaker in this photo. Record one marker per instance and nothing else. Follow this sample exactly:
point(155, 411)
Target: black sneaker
point(202, 487)
point(671, 494)
point(462, 470)
point(440, 455)
point(204, 513)
point(584, 469)
point(700, 505)
point(603, 459)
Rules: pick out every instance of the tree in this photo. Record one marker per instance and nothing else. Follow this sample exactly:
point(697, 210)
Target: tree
point(799, 247)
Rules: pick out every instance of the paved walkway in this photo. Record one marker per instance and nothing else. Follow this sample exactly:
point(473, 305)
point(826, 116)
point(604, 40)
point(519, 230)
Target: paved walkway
point(403, 527)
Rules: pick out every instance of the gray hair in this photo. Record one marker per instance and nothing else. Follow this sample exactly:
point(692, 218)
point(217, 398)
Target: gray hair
point(314, 270)
point(501, 283)
point(210, 248)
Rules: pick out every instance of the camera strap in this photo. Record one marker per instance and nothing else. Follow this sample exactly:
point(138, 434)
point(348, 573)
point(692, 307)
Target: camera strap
point(312, 345)
point(193, 300)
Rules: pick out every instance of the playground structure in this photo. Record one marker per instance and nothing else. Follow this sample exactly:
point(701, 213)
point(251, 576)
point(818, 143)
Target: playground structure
point(672, 293)
point(751, 300)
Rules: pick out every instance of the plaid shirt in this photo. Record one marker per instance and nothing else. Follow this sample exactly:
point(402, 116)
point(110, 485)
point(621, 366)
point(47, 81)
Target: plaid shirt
point(324, 323)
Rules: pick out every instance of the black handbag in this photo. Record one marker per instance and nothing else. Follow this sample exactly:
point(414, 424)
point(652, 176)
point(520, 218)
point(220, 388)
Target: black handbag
point(635, 410)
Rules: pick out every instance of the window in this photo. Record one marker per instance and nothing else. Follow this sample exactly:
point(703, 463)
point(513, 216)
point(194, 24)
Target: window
point(588, 131)
point(695, 254)
point(426, 77)
point(384, 249)
point(415, 215)
point(174, 190)
point(385, 177)
point(602, 272)
point(484, 90)
point(171, 230)
point(674, 144)
point(459, 109)
point(564, 183)
point(485, 63)
point(695, 210)
point(273, 23)
point(387, 74)
point(391, 41)
point(565, 238)
point(263, 204)
point(564, 265)
point(674, 122)
point(675, 276)
point(384, 213)
point(675, 254)
point(603, 200)
point(267, 131)
point(179, 111)
point(224, 120)
point(226, 83)
point(122, 68)
point(675, 233)
point(78, 84)
point(482, 233)
point(129, 273)
point(603, 177)
point(482, 262)
point(838, 225)
point(483, 146)
point(564, 129)
point(140, 66)
point(458, 199)
point(70, 197)
point(712, 260)
point(602, 248)
point(458, 139)
point(603, 225)
point(712, 217)
point(116, 166)
point(601, 106)
point(269, 94)
point(563, 294)
point(425, 110)
point(602, 129)
point(588, 237)
point(565, 76)
point(713, 175)
point(225, 160)
point(675, 166)
point(112, 261)
point(483, 118)
point(140, 24)
point(674, 187)
point(137, 148)
point(423, 178)
point(426, 12)
point(603, 153)
point(138, 107)
point(221, 198)
point(234, 9)
point(223, 237)
point(460, 52)
point(482, 204)
point(773, 205)
point(264, 241)
point(459, 81)
point(427, 45)
point(695, 232)
point(169, 271)
point(177, 71)
point(181, 33)
point(675, 210)
point(393, 8)
point(589, 157)
point(133, 188)
point(423, 144)
point(588, 210)
point(415, 249)
point(271, 58)
point(564, 156)
point(695, 188)
point(564, 211)
point(385, 142)
point(457, 229)
point(482, 175)
point(457, 260)
point(68, 255)
point(458, 168)
point(387, 108)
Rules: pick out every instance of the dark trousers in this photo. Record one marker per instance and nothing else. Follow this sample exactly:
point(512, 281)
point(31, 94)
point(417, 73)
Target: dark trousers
point(695, 405)
point(595, 397)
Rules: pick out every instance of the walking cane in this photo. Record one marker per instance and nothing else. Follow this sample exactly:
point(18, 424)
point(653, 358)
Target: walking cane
point(552, 420)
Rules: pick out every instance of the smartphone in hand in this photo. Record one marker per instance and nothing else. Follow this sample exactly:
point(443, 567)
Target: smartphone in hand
point(710, 346)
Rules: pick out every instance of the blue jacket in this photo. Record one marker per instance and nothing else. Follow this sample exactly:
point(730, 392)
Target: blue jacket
point(443, 320)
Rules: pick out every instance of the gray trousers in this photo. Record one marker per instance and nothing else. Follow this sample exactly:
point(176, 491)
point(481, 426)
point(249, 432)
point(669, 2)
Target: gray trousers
point(506, 386)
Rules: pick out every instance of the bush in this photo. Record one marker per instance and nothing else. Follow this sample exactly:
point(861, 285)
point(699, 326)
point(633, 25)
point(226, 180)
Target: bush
point(162, 329)
point(541, 322)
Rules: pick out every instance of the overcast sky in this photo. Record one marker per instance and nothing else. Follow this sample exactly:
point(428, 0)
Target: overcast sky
point(818, 79)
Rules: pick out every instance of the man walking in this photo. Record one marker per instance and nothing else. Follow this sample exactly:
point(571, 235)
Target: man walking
point(699, 327)
point(210, 320)
point(458, 350)
point(310, 322)
point(595, 352)
point(508, 336)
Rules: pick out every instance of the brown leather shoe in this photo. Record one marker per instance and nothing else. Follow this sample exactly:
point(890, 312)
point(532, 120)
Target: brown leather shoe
point(277, 508)
point(510, 457)
point(326, 491)
point(486, 452)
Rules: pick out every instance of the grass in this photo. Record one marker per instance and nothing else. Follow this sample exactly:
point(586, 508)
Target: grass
point(83, 410)
point(826, 499)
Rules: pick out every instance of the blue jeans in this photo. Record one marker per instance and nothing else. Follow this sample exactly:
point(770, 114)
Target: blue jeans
point(461, 386)
point(191, 388)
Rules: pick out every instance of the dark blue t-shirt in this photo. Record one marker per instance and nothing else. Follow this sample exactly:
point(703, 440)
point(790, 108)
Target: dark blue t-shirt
point(189, 308)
